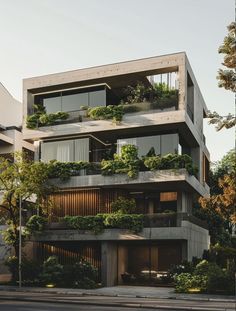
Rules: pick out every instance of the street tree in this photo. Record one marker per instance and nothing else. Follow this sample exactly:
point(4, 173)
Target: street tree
point(21, 182)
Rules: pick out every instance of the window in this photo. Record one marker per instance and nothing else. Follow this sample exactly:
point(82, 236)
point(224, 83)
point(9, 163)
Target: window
point(65, 150)
point(168, 201)
point(206, 167)
point(162, 144)
point(72, 100)
point(52, 102)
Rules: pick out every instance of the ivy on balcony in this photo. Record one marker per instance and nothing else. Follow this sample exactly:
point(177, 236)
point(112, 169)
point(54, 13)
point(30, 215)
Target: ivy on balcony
point(41, 118)
point(111, 112)
point(97, 223)
point(64, 170)
point(129, 163)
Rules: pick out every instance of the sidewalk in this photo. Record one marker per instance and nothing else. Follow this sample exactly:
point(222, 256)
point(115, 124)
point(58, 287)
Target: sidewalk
point(125, 291)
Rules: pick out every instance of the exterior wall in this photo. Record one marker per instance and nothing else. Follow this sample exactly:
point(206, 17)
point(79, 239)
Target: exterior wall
point(8, 104)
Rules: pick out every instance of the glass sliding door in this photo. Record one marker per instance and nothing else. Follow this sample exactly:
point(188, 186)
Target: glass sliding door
point(162, 144)
point(62, 151)
point(73, 102)
point(82, 150)
point(65, 150)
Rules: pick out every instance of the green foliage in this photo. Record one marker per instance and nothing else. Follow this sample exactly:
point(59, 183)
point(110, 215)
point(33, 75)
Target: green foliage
point(52, 271)
point(93, 223)
point(64, 170)
point(160, 95)
point(99, 222)
point(123, 206)
point(132, 222)
point(186, 281)
point(30, 270)
point(207, 277)
point(81, 274)
point(41, 118)
point(170, 161)
point(20, 180)
point(127, 163)
point(226, 78)
point(110, 112)
point(36, 224)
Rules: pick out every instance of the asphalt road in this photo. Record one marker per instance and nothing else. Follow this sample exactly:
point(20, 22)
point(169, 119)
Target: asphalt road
point(26, 301)
point(38, 306)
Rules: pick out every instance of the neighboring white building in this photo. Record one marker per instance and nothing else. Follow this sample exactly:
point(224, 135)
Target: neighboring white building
point(11, 140)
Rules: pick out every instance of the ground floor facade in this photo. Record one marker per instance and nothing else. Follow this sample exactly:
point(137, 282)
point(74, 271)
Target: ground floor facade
point(121, 262)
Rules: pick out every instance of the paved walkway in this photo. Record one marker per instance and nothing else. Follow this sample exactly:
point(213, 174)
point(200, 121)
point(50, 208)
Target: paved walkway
point(125, 291)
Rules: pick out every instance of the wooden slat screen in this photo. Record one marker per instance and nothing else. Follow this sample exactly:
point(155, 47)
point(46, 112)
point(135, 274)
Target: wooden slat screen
point(69, 253)
point(81, 202)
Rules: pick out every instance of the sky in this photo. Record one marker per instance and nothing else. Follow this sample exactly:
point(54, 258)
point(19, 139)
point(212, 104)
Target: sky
point(39, 37)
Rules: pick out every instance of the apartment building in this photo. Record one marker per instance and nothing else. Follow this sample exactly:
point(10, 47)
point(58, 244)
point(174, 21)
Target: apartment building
point(169, 124)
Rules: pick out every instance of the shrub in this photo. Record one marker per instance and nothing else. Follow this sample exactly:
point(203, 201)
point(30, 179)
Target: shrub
point(81, 274)
point(207, 277)
point(107, 113)
point(64, 170)
point(52, 271)
point(99, 222)
point(30, 270)
point(186, 281)
point(126, 163)
point(132, 222)
point(40, 117)
point(93, 223)
point(170, 161)
point(123, 206)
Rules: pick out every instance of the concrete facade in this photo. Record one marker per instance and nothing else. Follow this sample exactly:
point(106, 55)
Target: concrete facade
point(186, 121)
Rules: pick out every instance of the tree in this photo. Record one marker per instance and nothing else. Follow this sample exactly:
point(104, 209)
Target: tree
point(226, 77)
point(226, 166)
point(218, 224)
point(20, 180)
point(223, 204)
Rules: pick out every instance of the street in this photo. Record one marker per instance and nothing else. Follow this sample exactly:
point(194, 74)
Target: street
point(26, 301)
point(28, 306)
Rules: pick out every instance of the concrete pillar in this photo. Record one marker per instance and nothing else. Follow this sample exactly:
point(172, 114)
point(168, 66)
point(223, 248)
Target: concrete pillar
point(37, 151)
point(184, 250)
point(109, 263)
point(122, 262)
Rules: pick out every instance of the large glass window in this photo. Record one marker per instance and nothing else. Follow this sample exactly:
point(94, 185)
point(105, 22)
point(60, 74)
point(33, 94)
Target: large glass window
point(65, 150)
point(97, 98)
point(72, 100)
point(162, 144)
point(52, 102)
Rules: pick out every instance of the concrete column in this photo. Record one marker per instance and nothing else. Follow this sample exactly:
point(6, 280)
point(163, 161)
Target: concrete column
point(109, 263)
point(184, 250)
point(182, 87)
point(122, 262)
point(37, 149)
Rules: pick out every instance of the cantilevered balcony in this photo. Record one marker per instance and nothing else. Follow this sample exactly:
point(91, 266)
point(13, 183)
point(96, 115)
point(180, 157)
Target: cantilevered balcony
point(163, 179)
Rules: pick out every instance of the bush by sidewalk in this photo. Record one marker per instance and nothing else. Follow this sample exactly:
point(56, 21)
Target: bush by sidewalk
point(80, 274)
point(206, 277)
